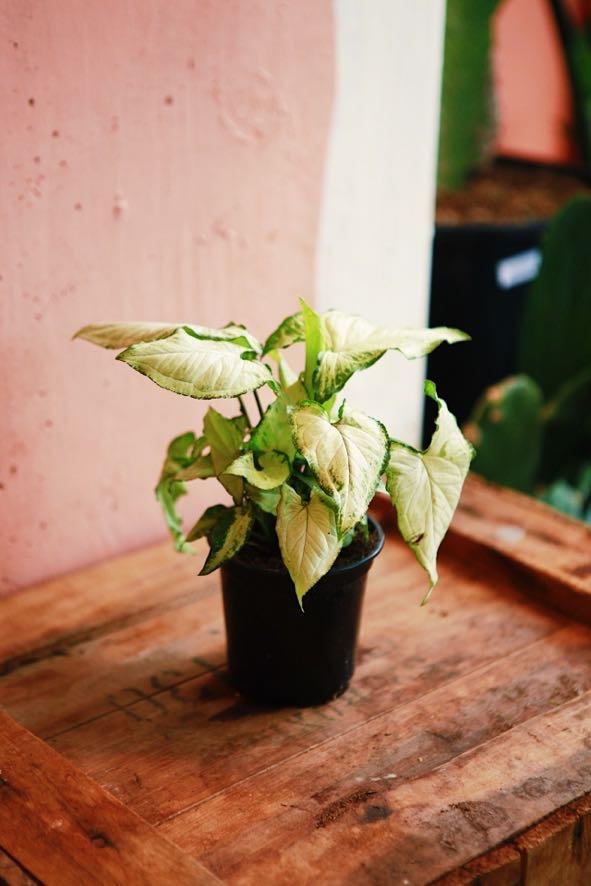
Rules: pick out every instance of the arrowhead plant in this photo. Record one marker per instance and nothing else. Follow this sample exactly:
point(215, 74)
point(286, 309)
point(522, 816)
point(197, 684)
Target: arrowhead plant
point(301, 478)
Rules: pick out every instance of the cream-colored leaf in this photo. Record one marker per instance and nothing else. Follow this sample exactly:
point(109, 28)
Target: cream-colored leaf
point(123, 334)
point(308, 538)
point(347, 458)
point(352, 344)
point(425, 487)
point(196, 367)
point(274, 469)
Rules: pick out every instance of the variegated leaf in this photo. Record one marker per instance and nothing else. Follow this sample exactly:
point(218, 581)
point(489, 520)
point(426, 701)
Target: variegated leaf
point(425, 487)
point(197, 367)
point(347, 458)
point(308, 538)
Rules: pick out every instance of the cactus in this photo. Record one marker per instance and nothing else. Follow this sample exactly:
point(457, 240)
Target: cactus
point(467, 125)
point(576, 45)
point(506, 431)
point(534, 429)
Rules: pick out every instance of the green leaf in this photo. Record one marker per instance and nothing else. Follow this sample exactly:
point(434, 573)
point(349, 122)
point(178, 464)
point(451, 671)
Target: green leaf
point(168, 492)
point(425, 486)
point(273, 432)
point(206, 522)
point(308, 538)
point(227, 536)
point(194, 465)
point(169, 489)
point(352, 344)
point(122, 335)
point(274, 469)
point(288, 332)
point(347, 458)
point(314, 345)
point(224, 436)
point(266, 499)
point(506, 429)
point(197, 367)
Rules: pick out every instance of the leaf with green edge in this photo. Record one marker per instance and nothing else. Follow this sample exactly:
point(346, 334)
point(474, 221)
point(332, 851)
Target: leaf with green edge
point(289, 331)
point(273, 471)
point(308, 538)
point(195, 465)
point(425, 487)
point(227, 536)
point(266, 499)
point(315, 343)
point(273, 432)
point(124, 334)
point(179, 454)
point(352, 344)
point(224, 436)
point(168, 491)
point(206, 522)
point(347, 458)
point(201, 468)
point(198, 367)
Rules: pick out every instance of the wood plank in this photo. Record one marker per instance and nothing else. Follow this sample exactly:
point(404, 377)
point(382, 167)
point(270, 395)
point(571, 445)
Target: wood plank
point(558, 850)
point(203, 738)
point(553, 547)
point(65, 829)
point(339, 777)
point(413, 829)
point(12, 873)
point(500, 867)
point(114, 670)
point(53, 617)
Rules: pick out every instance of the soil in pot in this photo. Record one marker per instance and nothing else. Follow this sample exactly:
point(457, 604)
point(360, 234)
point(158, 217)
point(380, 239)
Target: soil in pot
point(278, 654)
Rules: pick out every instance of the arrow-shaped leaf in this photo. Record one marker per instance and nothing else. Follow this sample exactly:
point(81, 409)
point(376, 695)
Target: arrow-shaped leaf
point(347, 458)
point(425, 486)
point(308, 538)
point(197, 367)
point(274, 469)
point(227, 536)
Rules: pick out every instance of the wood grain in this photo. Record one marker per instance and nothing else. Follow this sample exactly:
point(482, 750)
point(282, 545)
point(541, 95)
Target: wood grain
point(555, 548)
point(460, 754)
point(67, 830)
point(12, 873)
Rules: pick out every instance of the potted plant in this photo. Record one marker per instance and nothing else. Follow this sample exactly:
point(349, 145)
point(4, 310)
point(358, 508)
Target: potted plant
point(532, 430)
point(492, 212)
point(295, 544)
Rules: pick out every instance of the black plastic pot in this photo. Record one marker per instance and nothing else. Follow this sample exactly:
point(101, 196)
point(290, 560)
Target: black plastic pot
point(278, 654)
point(469, 290)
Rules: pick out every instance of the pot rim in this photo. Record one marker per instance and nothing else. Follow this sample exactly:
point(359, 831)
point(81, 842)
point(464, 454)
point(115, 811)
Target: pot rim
point(336, 569)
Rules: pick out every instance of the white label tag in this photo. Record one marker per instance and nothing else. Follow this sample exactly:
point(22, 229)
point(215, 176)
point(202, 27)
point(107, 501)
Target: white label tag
point(518, 269)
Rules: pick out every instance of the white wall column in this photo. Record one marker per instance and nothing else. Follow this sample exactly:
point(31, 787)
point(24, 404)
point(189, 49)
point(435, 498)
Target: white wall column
point(377, 215)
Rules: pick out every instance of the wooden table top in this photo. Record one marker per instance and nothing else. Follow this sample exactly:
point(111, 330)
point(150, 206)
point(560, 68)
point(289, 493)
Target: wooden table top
point(461, 753)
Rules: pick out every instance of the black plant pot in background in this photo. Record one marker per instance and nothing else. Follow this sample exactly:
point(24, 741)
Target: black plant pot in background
point(278, 654)
point(479, 276)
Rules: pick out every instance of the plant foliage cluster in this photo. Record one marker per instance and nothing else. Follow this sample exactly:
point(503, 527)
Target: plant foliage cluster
point(304, 475)
point(532, 431)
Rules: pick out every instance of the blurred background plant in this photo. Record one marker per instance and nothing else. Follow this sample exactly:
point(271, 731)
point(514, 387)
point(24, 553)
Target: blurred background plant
point(532, 431)
point(512, 265)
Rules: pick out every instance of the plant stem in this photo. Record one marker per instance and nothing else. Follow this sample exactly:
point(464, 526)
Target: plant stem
point(244, 412)
point(259, 404)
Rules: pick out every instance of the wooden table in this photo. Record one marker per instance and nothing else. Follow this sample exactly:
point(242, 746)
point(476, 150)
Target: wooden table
point(462, 750)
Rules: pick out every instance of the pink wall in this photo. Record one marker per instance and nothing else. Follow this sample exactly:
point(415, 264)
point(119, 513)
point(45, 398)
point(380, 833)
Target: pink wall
point(532, 88)
point(160, 160)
